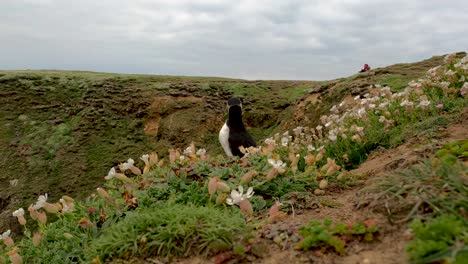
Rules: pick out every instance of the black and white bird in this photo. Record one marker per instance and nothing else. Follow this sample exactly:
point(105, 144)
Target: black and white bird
point(233, 133)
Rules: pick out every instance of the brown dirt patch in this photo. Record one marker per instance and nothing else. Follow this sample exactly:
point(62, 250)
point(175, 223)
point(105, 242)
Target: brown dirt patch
point(164, 105)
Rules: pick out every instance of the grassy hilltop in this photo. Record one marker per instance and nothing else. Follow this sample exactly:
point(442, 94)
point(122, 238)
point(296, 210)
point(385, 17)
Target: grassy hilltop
point(364, 167)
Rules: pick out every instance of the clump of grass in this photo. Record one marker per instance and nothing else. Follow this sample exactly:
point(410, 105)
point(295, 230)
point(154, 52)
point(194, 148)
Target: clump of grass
point(323, 236)
point(432, 195)
point(435, 186)
point(171, 230)
point(443, 239)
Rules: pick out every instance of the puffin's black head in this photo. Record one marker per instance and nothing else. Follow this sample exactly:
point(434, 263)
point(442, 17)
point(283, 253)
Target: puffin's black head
point(234, 101)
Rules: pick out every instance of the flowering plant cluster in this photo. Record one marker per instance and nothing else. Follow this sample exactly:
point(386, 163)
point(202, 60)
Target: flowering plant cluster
point(306, 160)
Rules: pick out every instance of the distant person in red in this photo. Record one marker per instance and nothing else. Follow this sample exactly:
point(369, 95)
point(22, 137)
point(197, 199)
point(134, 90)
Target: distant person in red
point(365, 68)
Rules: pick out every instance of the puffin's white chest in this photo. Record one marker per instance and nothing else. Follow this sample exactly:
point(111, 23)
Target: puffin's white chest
point(224, 139)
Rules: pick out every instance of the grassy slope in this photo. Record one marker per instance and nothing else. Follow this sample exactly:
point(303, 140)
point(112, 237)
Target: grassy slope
point(60, 129)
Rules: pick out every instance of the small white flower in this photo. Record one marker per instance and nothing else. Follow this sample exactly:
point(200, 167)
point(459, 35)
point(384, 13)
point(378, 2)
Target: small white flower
point(269, 141)
point(464, 89)
point(127, 165)
point(382, 119)
point(277, 164)
point(449, 73)
point(310, 148)
point(111, 174)
point(383, 105)
point(361, 112)
point(19, 212)
point(332, 137)
point(284, 141)
point(371, 106)
point(238, 196)
point(357, 97)
point(188, 151)
point(334, 109)
point(424, 103)
point(406, 103)
point(40, 201)
point(14, 182)
point(145, 158)
point(5, 234)
point(65, 207)
point(201, 152)
point(182, 157)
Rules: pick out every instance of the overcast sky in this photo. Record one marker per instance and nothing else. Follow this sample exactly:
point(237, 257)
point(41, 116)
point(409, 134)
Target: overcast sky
point(250, 39)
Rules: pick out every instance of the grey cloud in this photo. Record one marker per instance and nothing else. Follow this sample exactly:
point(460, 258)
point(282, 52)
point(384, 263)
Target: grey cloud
point(265, 39)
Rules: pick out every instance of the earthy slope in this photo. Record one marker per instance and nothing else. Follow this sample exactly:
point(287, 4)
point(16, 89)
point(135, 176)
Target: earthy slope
point(62, 131)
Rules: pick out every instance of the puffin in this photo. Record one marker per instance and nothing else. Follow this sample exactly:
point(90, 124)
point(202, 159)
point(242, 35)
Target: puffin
point(233, 133)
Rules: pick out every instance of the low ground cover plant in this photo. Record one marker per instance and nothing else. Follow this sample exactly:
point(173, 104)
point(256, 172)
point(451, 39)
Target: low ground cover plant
point(191, 203)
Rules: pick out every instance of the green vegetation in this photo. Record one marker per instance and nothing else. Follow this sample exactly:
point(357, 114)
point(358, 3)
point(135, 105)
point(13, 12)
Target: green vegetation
point(189, 201)
point(325, 235)
point(433, 193)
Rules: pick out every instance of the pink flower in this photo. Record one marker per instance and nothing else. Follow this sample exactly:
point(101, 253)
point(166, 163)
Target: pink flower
point(440, 106)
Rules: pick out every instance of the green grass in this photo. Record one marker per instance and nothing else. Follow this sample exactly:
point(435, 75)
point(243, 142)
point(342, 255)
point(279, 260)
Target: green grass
point(396, 81)
point(317, 235)
point(172, 210)
point(433, 196)
point(171, 230)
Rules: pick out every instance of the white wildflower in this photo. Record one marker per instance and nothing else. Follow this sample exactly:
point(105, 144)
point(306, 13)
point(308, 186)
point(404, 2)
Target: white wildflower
point(201, 152)
point(424, 103)
point(145, 158)
point(449, 73)
point(361, 112)
point(127, 165)
point(334, 109)
point(464, 89)
point(284, 141)
point(5, 234)
point(19, 212)
point(383, 105)
point(40, 201)
point(310, 148)
point(14, 182)
point(406, 103)
point(382, 119)
point(188, 151)
point(277, 164)
point(111, 174)
point(238, 196)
